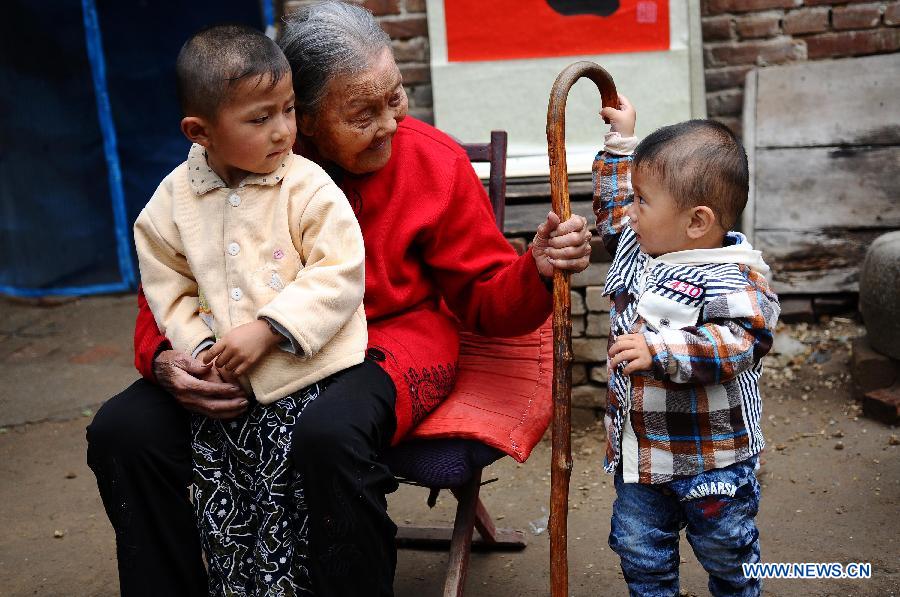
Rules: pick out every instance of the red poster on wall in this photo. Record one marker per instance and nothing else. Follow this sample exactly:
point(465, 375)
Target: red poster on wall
point(512, 29)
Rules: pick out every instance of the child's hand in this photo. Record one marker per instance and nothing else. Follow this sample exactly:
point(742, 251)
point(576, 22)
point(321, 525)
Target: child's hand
point(621, 119)
point(241, 348)
point(632, 348)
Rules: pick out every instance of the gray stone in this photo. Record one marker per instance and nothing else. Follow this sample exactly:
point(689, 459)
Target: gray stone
point(594, 275)
point(589, 350)
point(598, 325)
point(595, 299)
point(600, 374)
point(583, 418)
point(577, 326)
point(879, 294)
point(599, 254)
point(588, 396)
point(577, 303)
point(579, 375)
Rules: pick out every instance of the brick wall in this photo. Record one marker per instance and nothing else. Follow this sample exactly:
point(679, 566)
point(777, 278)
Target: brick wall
point(406, 23)
point(739, 35)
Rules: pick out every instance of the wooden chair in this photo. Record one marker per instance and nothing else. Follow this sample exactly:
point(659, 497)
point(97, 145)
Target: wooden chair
point(456, 462)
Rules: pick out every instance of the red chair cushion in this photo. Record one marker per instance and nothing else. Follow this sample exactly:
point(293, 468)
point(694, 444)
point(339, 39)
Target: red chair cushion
point(502, 395)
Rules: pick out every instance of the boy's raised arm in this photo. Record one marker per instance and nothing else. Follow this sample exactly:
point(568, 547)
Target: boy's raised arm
point(611, 173)
point(738, 332)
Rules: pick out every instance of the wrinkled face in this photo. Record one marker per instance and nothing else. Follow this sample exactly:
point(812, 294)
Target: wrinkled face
point(356, 122)
point(254, 130)
point(661, 226)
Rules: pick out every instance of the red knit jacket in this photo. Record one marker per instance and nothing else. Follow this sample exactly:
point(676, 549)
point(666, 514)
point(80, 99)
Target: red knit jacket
point(430, 235)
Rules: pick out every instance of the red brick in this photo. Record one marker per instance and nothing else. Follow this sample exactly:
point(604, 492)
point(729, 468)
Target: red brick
point(415, 73)
point(871, 370)
point(725, 103)
point(892, 14)
point(714, 7)
point(718, 79)
point(853, 43)
point(717, 28)
point(832, 2)
point(883, 405)
point(413, 50)
point(862, 16)
point(382, 7)
point(764, 24)
point(405, 27)
point(806, 20)
point(763, 52)
point(415, 5)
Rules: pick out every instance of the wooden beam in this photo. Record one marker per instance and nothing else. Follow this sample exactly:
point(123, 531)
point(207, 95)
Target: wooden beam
point(831, 102)
point(815, 261)
point(828, 188)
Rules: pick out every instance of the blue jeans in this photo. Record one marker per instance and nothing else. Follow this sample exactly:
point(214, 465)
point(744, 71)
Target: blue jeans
point(717, 507)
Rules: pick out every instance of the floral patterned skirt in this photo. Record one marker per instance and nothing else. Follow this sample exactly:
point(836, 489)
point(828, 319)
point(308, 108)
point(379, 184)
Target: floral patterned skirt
point(248, 500)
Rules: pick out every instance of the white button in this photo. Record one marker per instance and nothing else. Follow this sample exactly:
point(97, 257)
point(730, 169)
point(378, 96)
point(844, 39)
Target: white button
point(234, 249)
point(236, 294)
point(234, 199)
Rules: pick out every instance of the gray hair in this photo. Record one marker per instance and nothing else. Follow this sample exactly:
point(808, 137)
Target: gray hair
point(327, 39)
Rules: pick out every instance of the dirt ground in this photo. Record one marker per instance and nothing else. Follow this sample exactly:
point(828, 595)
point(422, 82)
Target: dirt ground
point(831, 478)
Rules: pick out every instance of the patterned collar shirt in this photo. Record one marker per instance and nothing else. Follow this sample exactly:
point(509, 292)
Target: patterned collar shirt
point(708, 317)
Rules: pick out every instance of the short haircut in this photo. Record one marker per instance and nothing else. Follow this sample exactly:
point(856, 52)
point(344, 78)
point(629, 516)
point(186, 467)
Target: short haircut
point(215, 59)
point(324, 40)
point(700, 162)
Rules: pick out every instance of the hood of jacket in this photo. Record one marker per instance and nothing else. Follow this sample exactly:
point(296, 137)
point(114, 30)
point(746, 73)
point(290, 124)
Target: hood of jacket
point(739, 250)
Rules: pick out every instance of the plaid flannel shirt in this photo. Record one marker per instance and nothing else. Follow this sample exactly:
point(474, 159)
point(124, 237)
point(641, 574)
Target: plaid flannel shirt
point(698, 408)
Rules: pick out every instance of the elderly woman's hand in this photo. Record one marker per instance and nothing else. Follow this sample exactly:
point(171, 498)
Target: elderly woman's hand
point(565, 245)
point(197, 387)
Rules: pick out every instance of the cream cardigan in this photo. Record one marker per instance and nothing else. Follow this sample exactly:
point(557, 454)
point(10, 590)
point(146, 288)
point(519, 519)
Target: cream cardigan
point(284, 245)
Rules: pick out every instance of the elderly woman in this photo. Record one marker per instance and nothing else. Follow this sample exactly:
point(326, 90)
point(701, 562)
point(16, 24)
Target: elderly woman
point(431, 243)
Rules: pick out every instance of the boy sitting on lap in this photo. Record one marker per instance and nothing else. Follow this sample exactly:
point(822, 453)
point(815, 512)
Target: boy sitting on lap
point(251, 259)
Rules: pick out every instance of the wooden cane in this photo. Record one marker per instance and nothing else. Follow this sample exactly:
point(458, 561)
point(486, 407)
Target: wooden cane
point(561, 455)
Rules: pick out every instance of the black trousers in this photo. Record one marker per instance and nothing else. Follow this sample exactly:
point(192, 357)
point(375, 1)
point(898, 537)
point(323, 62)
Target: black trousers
point(140, 451)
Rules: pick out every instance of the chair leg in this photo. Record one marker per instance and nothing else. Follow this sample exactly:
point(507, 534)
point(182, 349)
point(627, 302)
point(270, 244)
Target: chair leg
point(461, 542)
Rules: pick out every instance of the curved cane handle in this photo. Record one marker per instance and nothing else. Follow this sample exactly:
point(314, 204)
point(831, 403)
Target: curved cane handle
point(561, 457)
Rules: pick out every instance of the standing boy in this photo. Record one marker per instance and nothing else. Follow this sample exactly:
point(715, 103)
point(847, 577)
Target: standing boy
point(691, 317)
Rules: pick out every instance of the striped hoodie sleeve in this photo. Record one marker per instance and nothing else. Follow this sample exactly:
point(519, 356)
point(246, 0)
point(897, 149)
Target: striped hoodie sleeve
point(737, 333)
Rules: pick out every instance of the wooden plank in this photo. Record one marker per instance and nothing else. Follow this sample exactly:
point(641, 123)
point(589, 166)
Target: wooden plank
point(815, 261)
point(814, 188)
point(438, 537)
point(538, 187)
point(748, 217)
point(525, 218)
point(837, 102)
